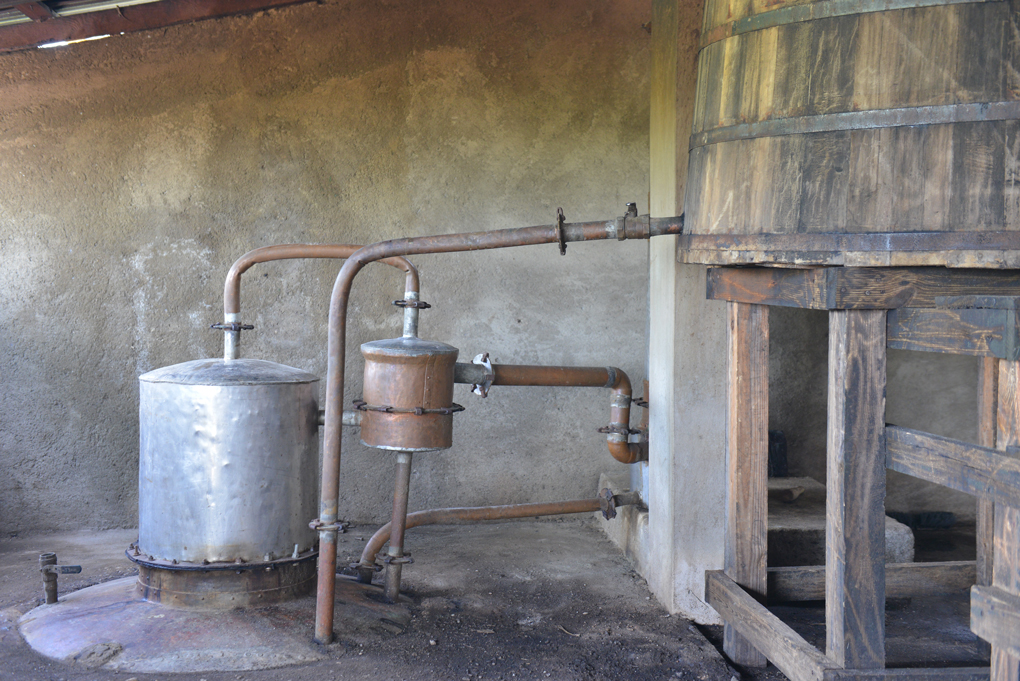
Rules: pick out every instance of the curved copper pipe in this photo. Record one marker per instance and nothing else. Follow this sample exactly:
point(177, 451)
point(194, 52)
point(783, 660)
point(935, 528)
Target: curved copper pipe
point(623, 228)
point(584, 377)
point(450, 516)
point(232, 285)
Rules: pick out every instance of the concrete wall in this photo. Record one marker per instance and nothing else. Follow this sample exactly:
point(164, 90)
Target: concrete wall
point(134, 170)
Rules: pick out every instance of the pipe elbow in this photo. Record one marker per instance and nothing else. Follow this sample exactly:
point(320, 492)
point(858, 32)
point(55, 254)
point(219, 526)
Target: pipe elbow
point(628, 452)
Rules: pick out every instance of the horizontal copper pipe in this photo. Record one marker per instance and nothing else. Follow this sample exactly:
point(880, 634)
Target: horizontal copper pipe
point(625, 227)
point(572, 377)
point(451, 516)
point(232, 285)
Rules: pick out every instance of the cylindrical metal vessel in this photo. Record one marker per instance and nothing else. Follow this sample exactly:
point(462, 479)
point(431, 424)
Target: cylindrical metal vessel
point(855, 118)
point(228, 462)
point(408, 394)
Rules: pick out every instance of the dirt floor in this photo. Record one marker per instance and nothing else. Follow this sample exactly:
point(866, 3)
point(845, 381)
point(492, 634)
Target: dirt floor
point(519, 600)
point(509, 601)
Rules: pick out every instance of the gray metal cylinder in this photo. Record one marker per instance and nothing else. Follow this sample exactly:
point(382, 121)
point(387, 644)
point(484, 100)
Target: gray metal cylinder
point(228, 461)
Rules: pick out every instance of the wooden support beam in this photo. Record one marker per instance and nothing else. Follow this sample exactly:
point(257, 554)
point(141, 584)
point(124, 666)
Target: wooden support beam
point(747, 456)
point(939, 674)
point(975, 332)
point(855, 490)
point(856, 288)
point(902, 580)
point(980, 471)
point(1006, 560)
point(987, 389)
point(126, 20)
point(995, 617)
point(36, 11)
point(794, 656)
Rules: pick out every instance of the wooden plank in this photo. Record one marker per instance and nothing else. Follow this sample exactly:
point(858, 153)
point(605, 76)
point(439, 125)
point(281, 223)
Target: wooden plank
point(747, 445)
point(978, 176)
point(995, 617)
point(958, 465)
point(855, 490)
point(975, 332)
point(769, 286)
point(861, 288)
point(127, 20)
point(794, 656)
point(36, 11)
point(939, 674)
point(1006, 558)
point(902, 580)
point(987, 393)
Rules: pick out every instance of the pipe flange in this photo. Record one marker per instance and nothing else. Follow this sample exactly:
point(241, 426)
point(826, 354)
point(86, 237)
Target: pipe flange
point(561, 235)
point(319, 526)
point(360, 405)
point(397, 560)
point(416, 304)
point(176, 565)
point(482, 389)
point(618, 430)
point(232, 326)
point(374, 567)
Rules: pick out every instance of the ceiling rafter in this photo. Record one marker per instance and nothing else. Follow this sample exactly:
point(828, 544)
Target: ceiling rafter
point(144, 17)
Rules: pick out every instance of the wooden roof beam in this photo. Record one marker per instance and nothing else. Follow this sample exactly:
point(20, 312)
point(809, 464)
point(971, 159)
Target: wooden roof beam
point(125, 20)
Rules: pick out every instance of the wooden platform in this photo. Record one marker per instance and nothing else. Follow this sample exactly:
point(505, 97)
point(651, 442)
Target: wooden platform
point(970, 312)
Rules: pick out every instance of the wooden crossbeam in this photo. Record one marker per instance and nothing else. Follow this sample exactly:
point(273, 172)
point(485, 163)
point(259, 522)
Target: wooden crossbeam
point(126, 20)
point(974, 332)
point(794, 656)
point(902, 580)
point(856, 288)
point(981, 471)
point(36, 11)
point(995, 617)
point(939, 674)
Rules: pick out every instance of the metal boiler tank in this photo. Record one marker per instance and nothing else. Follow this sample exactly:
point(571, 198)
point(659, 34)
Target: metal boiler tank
point(227, 483)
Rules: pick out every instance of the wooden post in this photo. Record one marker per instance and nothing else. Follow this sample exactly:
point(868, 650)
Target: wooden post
point(855, 490)
point(1006, 568)
point(747, 444)
point(988, 382)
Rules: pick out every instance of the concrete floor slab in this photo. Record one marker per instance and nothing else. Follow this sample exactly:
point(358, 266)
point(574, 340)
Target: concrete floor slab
point(519, 600)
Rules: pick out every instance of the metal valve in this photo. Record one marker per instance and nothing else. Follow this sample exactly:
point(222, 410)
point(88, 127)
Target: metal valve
point(49, 569)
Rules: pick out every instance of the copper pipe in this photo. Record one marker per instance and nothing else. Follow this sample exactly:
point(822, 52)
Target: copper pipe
point(574, 377)
point(621, 228)
point(450, 516)
point(399, 523)
point(232, 285)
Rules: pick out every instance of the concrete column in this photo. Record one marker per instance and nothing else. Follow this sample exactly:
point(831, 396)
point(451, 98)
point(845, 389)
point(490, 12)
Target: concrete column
point(686, 348)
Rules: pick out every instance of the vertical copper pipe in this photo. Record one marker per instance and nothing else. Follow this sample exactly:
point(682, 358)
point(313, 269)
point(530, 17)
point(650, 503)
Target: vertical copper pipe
point(396, 551)
point(49, 577)
point(622, 228)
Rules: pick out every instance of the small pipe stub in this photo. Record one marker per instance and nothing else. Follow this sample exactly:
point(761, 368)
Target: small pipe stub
point(49, 569)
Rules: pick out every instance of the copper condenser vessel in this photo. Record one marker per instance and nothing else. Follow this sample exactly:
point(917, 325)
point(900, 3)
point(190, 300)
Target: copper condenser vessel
point(408, 399)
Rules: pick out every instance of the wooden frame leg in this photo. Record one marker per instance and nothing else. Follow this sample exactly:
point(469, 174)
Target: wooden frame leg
point(1006, 568)
point(855, 490)
point(988, 384)
point(747, 444)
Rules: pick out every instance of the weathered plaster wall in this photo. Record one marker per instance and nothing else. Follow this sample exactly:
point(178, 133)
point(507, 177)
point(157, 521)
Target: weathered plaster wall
point(134, 170)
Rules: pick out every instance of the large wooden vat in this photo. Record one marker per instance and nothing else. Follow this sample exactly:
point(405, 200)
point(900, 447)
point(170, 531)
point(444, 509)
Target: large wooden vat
point(856, 132)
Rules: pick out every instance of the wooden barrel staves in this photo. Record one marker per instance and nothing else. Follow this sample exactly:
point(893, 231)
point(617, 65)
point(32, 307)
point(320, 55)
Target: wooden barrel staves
point(856, 132)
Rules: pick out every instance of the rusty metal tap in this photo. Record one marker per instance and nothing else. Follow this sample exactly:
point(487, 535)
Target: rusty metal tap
point(49, 569)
